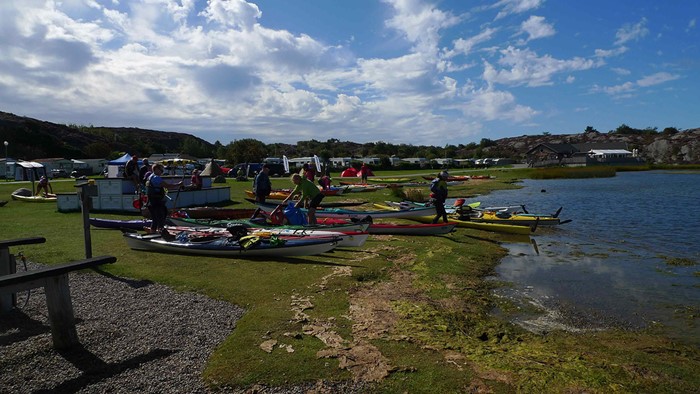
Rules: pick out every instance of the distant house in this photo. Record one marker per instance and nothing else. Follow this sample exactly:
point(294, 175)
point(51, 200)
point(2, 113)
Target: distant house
point(422, 161)
point(340, 162)
point(544, 154)
point(56, 163)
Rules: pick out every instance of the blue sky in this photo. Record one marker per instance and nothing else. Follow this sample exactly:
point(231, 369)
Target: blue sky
point(399, 71)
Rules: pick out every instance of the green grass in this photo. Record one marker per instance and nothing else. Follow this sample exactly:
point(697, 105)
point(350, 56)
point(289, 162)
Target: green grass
point(445, 338)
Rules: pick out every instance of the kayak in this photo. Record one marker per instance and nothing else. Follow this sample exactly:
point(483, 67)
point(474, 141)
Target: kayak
point(334, 204)
point(229, 247)
point(137, 224)
point(48, 198)
point(503, 228)
point(494, 227)
point(215, 213)
point(513, 218)
point(346, 227)
point(402, 229)
point(345, 239)
point(340, 213)
point(411, 229)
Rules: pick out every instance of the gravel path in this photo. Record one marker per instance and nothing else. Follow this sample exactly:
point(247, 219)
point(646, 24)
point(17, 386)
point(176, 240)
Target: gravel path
point(136, 336)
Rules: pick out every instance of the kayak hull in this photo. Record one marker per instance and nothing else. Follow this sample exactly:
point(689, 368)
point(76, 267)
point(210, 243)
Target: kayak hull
point(226, 247)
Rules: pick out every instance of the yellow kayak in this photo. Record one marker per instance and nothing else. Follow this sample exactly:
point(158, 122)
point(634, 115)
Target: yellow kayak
point(514, 218)
point(495, 227)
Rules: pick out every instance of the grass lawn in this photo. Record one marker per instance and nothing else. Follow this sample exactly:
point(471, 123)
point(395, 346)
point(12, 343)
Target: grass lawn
point(404, 314)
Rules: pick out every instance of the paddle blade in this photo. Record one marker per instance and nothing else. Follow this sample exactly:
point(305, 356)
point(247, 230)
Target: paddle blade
point(556, 214)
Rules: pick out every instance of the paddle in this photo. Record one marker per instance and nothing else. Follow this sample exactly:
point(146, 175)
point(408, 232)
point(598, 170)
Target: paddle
point(556, 214)
point(534, 226)
point(524, 210)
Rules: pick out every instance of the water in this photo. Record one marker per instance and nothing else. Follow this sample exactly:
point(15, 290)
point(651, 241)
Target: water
point(609, 266)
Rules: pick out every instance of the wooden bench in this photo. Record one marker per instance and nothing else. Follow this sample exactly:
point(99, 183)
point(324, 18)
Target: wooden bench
point(54, 280)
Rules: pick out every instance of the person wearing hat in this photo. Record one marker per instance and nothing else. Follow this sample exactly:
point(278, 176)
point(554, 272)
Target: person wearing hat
point(262, 187)
point(438, 195)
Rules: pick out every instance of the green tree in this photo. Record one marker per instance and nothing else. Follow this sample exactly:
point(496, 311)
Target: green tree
point(247, 150)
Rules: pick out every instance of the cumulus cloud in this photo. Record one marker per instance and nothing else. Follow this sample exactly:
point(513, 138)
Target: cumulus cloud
point(525, 67)
point(535, 27)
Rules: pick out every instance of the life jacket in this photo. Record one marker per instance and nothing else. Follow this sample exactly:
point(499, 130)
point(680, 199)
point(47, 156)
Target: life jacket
point(154, 192)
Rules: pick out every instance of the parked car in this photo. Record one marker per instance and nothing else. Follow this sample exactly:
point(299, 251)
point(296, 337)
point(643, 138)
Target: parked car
point(81, 172)
point(59, 173)
point(276, 170)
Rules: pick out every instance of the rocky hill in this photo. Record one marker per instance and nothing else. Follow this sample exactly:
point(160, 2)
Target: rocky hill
point(668, 147)
point(32, 139)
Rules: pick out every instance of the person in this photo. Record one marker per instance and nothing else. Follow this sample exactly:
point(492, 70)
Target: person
point(240, 174)
point(131, 171)
point(325, 182)
point(308, 190)
point(44, 185)
point(262, 187)
point(145, 168)
point(156, 190)
point(438, 195)
point(364, 172)
point(195, 181)
point(309, 171)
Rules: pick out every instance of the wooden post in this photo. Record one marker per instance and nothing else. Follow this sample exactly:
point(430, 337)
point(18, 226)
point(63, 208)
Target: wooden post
point(61, 315)
point(7, 267)
point(85, 191)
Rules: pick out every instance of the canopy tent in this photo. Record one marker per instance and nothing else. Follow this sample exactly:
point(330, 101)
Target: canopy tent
point(115, 168)
point(28, 170)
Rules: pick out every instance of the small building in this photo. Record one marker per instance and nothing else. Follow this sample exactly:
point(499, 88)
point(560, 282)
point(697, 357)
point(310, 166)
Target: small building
point(340, 162)
point(446, 162)
point(421, 161)
point(56, 163)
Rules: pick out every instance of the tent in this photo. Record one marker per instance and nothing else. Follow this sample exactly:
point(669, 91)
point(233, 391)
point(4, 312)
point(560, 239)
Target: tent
point(212, 169)
point(115, 168)
point(28, 170)
point(349, 172)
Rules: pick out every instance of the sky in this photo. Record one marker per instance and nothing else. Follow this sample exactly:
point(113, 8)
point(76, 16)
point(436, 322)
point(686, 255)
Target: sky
point(398, 71)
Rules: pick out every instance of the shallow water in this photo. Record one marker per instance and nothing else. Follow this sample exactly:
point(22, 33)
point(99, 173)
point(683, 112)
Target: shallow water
point(609, 266)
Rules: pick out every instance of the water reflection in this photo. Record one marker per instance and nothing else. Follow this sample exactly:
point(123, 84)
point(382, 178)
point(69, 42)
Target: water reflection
point(608, 267)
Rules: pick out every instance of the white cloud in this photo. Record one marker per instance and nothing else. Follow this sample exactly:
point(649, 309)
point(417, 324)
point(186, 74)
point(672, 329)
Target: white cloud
point(463, 46)
point(656, 79)
point(536, 27)
point(603, 53)
point(631, 86)
point(238, 14)
point(691, 25)
point(525, 67)
point(621, 71)
point(420, 23)
point(516, 6)
point(631, 32)
point(489, 104)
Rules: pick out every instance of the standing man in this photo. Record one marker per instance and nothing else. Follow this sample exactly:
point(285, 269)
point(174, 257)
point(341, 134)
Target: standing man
point(438, 194)
point(308, 190)
point(131, 171)
point(364, 172)
point(156, 190)
point(262, 187)
point(146, 167)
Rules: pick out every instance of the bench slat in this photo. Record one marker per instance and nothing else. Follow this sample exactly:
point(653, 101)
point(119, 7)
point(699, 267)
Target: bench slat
point(11, 280)
point(6, 243)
